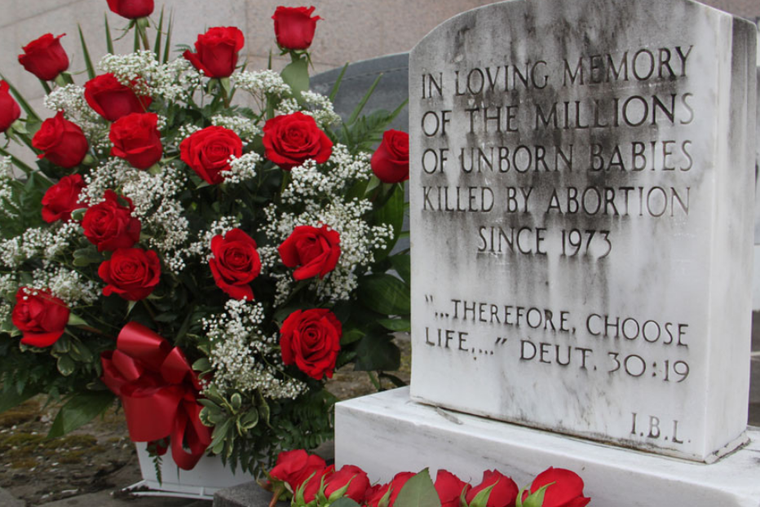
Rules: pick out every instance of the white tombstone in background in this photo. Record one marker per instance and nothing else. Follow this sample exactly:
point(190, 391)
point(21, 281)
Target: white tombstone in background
point(582, 220)
point(582, 189)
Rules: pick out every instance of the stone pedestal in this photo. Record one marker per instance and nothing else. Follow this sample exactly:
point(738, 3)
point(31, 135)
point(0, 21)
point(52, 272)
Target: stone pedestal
point(387, 433)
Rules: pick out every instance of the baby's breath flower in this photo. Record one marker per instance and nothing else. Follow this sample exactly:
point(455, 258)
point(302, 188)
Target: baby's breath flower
point(243, 356)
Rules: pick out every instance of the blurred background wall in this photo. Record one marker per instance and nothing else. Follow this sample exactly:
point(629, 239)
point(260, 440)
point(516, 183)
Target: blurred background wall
point(351, 30)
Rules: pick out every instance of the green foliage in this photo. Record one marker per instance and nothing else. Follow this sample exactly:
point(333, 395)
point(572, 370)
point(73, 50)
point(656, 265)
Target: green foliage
point(385, 293)
point(418, 491)
point(79, 410)
point(249, 427)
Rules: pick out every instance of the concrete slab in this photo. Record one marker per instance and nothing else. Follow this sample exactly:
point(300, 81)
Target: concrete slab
point(108, 499)
point(245, 495)
point(8, 500)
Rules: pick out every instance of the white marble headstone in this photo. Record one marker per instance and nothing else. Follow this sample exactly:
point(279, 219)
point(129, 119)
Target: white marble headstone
point(582, 198)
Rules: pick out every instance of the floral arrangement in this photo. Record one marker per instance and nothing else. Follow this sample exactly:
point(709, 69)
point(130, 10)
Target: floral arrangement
point(306, 480)
point(206, 242)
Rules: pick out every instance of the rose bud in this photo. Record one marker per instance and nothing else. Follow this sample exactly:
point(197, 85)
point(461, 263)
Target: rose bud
point(62, 198)
point(111, 99)
point(132, 273)
point(235, 263)
point(350, 481)
point(294, 467)
point(61, 142)
point(312, 485)
point(216, 51)
point(111, 226)
point(9, 110)
point(45, 57)
point(387, 494)
point(449, 488)
point(565, 488)
point(310, 339)
point(208, 152)
point(136, 139)
point(131, 9)
point(294, 27)
point(315, 250)
point(292, 139)
point(503, 494)
point(390, 162)
point(41, 316)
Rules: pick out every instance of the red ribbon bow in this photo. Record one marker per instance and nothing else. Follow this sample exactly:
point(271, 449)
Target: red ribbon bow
point(159, 392)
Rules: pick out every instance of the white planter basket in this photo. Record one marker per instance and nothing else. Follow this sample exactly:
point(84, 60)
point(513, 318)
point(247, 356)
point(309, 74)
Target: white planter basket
point(208, 476)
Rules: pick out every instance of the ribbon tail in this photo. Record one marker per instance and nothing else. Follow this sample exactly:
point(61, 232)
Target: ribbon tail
point(186, 432)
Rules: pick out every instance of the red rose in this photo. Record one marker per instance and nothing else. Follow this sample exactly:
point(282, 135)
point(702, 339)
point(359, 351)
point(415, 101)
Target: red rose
point(350, 476)
point(40, 316)
point(9, 110)
point(131, 9)
point(294, 27)
point(61, 142)
point(208, 152)
point(390, 162)
point(111, 99)
point(311, 340)
point(449, 488)
point(216, 51)
point(62, 198)
point(295, 467)
point(45, 57)
point(132, 273)
point(292, 139)
point(111, 226)
point(235, 263)
point(566, 488)
point(135, 137)
point(503, 494)
point(315, 250)
point(375, 495)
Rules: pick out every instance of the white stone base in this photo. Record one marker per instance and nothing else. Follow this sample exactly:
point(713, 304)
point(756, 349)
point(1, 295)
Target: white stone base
point(387, 433)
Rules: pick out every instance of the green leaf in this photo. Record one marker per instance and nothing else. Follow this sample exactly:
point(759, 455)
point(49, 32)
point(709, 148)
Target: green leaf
point(86, 55)
point(80, 352)
point(11, 397)
point(418, 492)
point(336, 86)
point(351, 336)
point(363, 102)
point(235, 402)
point(159, 33)
point(535, 499)
point(167, 47)
point(76, 320)
point(86, 256)
point(396, 325)
point(481, 499)
point(66, 365)
point(402, 264)
point(202, 364)
point(109, 40)
point(377, 353)
point(391, 213)
point(80, 410)
point(344, 502)
point(385, 293)
point(296, 75)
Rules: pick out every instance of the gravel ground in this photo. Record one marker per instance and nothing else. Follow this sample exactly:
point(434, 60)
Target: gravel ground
point(99, 459)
